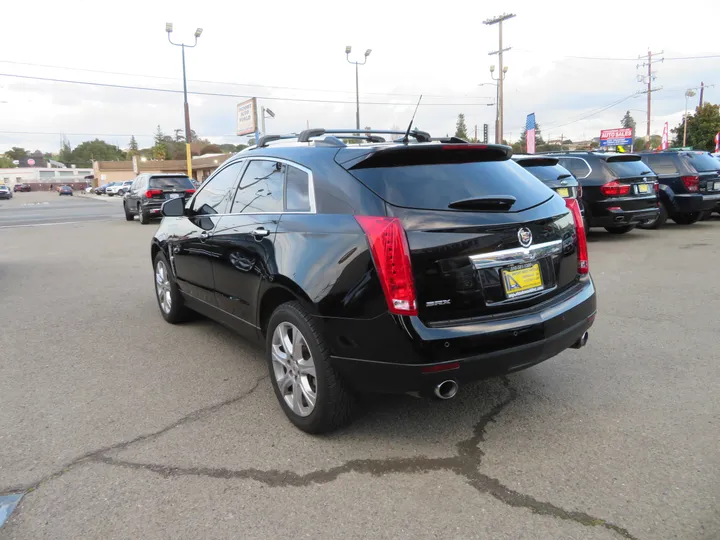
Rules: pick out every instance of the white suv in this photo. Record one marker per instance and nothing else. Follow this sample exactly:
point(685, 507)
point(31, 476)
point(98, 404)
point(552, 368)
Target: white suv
point(118, 188)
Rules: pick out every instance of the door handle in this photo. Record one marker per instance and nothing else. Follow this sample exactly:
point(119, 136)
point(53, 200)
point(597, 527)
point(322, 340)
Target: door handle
point(260, 232)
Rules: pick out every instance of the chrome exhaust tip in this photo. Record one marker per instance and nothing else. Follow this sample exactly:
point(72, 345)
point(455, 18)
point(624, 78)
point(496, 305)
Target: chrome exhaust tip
point(446, 389)
point(580, 343)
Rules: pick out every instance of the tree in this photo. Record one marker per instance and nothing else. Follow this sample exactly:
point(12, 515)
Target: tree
point(211, 149)
point(159, 149)
point(65, 154)
point(96, 150)
point(6, 163)
point(701, 128)
point(460, 127)
point(628, 121)
point(16, 153)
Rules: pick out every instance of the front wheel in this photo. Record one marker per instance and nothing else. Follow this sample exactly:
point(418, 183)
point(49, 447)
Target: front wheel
point(310, 391)
point(686, 219)
point(620, 230)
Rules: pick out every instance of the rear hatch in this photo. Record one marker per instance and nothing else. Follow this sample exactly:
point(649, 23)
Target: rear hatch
point(465, 211)
point(630, 171)
point(161, 188)
point(707, 168)
point(550, 173)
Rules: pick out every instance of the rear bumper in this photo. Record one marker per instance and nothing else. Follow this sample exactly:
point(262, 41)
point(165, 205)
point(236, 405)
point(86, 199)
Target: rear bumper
point(393, 354)
point(152, 209)
point(621, 217)
point(695, 202)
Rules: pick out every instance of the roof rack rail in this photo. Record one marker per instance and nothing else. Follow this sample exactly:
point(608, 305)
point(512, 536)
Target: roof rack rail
point(364, 134)
point(265, 139)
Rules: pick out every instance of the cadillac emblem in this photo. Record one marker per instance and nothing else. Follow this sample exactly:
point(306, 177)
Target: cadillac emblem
point(525, 237)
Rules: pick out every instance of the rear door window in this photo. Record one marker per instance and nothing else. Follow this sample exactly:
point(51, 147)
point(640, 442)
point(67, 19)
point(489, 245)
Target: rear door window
point(663, 164)
point(170, 182)
point(702, 162)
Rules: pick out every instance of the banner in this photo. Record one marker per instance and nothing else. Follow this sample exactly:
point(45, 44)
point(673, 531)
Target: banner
point(665, 144)
point(717, 142)
point(530, 133)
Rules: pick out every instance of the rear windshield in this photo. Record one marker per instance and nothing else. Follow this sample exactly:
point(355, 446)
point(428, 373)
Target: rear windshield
point(551, 173)
point(171, 182)
point(436, 186)
point(703, 162)
point(625, 169)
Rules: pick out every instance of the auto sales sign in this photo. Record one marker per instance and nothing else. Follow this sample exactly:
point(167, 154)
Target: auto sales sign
point(247, 117)
point(616, 137)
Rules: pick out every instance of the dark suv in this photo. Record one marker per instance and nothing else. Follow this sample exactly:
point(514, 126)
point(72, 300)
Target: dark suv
point(689, 185)
point(548, 170)
point(384, 267)
point(619, 191)
point(148, 191)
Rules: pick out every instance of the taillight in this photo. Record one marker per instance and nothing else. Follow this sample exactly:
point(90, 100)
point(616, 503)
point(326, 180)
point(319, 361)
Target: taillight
point(657, 187)
point(692, 183)
point(189, 191)
point(150, 193)
point(615, 189)
point(579, 191)
point(391, 254)
point(582, 249)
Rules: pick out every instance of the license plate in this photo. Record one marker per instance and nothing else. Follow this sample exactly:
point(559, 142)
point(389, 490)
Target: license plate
point(643, 188)
point(717, 185)
point(175, 195)
point(521, 280)
point(563, 191)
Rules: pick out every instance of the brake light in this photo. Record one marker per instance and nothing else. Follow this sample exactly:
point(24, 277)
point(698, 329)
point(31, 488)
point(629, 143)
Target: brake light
point(579, 191)
point(190, 191)
point(657, 187)
point(150, 193)
point(582, 249)
point(462, 146)
point(615, 189)
point(692, 183)
point(391, 254)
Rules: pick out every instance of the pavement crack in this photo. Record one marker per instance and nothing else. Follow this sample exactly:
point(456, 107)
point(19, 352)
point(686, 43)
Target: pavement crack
point(94, 454)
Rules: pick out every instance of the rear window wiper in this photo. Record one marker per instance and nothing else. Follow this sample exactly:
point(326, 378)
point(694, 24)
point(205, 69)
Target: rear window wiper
point(495, 203)
point(645, 172)
point(563, 176)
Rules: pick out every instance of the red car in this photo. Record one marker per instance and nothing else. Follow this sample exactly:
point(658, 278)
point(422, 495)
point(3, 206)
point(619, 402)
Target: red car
point(21, 187)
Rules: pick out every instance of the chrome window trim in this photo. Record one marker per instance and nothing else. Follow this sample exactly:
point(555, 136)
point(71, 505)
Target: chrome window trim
point(516, 255)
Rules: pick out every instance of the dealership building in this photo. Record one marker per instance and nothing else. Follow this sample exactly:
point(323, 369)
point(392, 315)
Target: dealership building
point(46, 178)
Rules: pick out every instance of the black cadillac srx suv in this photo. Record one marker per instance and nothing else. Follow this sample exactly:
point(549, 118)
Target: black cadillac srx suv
point(619, 191)
point(382, 266)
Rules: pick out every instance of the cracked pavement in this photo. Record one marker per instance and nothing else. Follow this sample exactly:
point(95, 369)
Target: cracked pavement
point(117, 425)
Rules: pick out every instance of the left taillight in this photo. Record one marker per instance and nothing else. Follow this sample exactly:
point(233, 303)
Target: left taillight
point(391, 255)
point(582, 249)
point(189, 191)
point(150, 193)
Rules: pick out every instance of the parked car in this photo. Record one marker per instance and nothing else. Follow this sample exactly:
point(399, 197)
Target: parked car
point(148, 191)
point(89, 189)
point(65, 190)
point(5, 192)
point(21, 187)
point(689, 185)
point(548, 170)
point(100, 190)
point(124, 187)
point(113, 188)
point(619, 192)
point(386, 267)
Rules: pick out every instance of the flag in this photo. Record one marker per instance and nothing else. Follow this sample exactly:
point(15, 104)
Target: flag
point(530, 133)
point(717, 142)
point(665, 145)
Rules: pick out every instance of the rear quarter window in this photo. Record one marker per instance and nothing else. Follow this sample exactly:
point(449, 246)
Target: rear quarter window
point(663, 164)
point(577, 166)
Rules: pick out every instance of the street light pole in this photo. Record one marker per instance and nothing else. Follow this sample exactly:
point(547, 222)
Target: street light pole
point(188, 136)
point(348, 49)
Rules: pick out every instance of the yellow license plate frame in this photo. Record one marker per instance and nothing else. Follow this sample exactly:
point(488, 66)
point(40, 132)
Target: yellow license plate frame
point(643, 188)
point(563, 192)
point(522, 280)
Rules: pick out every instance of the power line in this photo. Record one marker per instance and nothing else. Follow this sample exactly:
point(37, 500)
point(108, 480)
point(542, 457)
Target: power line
point(104, 72)
point(216, 94)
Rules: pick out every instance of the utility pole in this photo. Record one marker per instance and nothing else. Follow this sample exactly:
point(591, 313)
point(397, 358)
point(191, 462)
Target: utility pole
point(649, 78)
point(499, 20)
point(702, 89)
point(476, 139)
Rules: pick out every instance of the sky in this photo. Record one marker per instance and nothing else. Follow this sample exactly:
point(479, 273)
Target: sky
point(576, 69)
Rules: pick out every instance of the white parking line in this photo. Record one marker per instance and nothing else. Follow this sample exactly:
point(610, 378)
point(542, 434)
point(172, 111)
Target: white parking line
point(57, 223)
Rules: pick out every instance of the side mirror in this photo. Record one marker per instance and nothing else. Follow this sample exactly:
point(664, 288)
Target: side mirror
point(173, 208)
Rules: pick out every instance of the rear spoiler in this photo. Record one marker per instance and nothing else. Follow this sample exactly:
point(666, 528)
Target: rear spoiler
point(623, 157)
point(533, 161)
point(422, 154)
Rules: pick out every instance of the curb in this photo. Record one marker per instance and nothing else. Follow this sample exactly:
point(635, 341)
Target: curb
point(98, 198)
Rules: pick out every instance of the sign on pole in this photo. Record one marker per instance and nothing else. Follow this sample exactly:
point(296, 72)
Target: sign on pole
point(485, 133)
point(247, 117)
point(616, 137)
point(665, 144)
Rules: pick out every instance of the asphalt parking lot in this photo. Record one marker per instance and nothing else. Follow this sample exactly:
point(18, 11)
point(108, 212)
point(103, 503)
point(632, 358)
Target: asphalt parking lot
point(115, 424)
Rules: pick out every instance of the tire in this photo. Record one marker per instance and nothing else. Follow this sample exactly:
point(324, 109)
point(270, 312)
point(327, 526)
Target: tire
point(657, 223)
point(128, 215)
point(620, 230)
point(686, 219)
point(170, 301)
point(334, 403)
point(142, 216)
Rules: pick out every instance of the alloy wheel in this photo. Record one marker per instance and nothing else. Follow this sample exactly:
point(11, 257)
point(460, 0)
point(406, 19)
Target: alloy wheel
point(162, 287)
point(294, 369)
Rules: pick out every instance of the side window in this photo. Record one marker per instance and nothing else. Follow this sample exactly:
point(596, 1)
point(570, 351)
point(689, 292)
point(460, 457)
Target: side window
point(576, 166)
point(261, 188)
point(662, 164)
point(213, 198)
point(297, 190)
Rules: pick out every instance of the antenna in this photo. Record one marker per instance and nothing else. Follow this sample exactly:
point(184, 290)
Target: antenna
point(407, 133)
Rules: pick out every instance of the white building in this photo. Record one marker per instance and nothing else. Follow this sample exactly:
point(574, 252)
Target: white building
point(42, 178)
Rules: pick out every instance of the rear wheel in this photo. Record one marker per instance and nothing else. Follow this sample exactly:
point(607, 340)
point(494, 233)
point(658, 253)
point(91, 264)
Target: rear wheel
point(657, 222)
point(620, 230)
point(170, 301)
point(128, 215)
point(686, 219)
point(310, 391)
point(142, 216)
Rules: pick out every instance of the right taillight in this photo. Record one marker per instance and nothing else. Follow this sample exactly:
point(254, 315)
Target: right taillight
point(692, 183)
point(615, 189)
point(391, 254)
point(582, 249)
point(657, 187)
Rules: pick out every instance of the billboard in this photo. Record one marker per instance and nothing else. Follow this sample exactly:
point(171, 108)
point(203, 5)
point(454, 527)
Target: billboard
point(247, 117)
point(616, 137)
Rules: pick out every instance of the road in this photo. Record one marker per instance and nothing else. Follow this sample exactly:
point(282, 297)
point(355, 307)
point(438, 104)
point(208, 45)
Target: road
point(48, 208)
point(117, 425)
